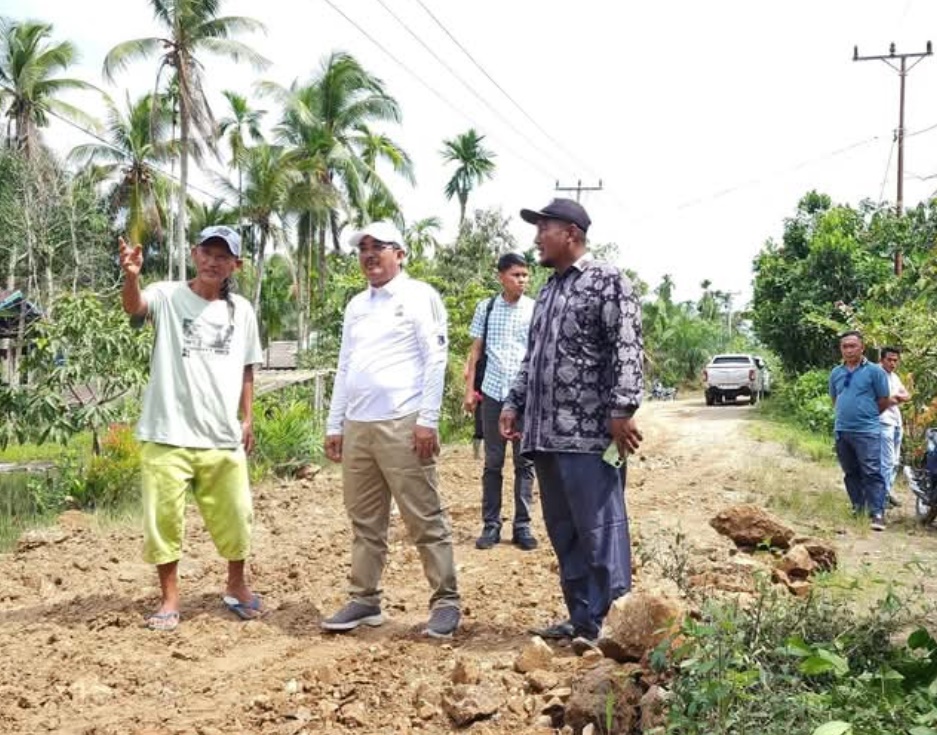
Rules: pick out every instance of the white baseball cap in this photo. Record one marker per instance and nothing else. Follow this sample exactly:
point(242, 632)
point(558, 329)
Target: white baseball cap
point(383, 231)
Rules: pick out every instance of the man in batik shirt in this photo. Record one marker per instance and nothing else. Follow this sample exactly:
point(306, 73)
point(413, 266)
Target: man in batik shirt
point(577, 392)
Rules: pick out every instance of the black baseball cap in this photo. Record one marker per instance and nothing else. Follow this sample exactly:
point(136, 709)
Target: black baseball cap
point(565, 210)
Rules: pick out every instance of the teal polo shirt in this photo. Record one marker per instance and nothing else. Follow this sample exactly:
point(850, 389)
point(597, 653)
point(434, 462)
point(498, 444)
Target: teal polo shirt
point(857, 392)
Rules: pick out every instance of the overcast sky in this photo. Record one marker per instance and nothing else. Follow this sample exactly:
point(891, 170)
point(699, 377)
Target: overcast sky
point(706, 122)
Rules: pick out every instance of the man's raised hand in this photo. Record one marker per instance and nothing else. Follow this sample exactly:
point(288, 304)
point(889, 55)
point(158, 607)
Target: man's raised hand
point(131, 258)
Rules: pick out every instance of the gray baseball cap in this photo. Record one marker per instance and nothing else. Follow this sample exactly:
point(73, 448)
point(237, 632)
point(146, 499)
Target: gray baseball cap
point(222, 232)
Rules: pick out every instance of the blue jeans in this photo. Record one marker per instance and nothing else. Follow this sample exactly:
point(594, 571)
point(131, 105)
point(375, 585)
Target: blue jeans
point(584, 511)
point(891, 454)
point(493, 479)
point(860, 456)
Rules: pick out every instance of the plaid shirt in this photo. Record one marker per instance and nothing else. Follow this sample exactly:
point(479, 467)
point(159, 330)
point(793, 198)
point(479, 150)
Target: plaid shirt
point(506, 342)
point(585, 362)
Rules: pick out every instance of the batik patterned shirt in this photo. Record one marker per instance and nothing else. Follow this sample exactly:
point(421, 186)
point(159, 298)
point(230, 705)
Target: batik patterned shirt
point(584, 361)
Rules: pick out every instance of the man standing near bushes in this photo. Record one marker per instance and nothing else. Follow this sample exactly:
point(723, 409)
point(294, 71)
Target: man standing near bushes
point(890, 420)
point(196, 427)
point(383, 428)
point(859, 391)
point(499, 329)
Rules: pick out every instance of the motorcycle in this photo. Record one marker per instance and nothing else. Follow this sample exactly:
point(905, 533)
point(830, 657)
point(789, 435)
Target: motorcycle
point(923, 481)
point(661, 393)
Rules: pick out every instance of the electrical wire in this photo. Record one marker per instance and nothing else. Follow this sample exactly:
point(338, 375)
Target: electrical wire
point(503, 91)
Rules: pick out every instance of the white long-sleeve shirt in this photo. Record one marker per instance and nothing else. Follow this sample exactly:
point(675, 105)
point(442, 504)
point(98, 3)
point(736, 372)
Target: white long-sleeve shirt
point(392, 361)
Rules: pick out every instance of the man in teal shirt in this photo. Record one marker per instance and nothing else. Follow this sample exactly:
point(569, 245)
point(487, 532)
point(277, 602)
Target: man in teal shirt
point(859, 390)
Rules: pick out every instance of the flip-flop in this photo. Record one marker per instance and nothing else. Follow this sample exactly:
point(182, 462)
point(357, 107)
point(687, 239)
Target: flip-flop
point(163, 622)
point(244, 610)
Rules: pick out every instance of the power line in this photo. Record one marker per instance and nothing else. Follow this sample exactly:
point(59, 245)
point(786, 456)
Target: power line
point(462, 81)
point(426, 84)
point(760, 180)
point(503, 91)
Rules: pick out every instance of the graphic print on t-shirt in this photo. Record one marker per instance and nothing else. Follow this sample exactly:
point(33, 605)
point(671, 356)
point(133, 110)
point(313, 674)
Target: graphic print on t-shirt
point(202, 336)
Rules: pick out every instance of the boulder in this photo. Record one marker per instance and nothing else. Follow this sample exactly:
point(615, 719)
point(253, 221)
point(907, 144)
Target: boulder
point(638, 622)
point(797, 562)
point(465, 704)
point(608, 689)
point(535, 655)
point(750, 526)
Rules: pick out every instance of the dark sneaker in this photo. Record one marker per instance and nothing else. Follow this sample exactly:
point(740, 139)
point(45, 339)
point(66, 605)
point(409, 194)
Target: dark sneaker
point(878, 523)
point(524, 540)
point(443, 621)
point(560, 631)
point(353, 615)
point(581, 644)
point(491, 536)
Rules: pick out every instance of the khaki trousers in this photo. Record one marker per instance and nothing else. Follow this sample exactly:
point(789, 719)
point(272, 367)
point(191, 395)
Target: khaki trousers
point(378, 462)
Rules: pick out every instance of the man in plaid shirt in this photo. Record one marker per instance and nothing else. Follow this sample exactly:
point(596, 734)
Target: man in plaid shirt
point(499, 330)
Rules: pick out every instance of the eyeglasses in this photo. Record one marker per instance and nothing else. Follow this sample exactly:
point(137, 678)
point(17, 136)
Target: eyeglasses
point(375, 247)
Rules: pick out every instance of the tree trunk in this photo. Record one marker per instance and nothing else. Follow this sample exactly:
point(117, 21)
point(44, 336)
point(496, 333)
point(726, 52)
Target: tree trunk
point(302, 233)
point(179, 239)
point(320, 263)
point(76, 253)
point(259, 270)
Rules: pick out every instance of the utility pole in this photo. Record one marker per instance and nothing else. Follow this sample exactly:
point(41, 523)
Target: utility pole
point(902, 70)
point(579, 188)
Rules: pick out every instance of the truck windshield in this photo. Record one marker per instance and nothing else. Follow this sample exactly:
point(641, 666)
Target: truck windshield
point(732, 360)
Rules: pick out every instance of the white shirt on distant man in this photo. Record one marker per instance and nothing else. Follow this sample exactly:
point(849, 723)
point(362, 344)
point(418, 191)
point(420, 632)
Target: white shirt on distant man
point(393, 357)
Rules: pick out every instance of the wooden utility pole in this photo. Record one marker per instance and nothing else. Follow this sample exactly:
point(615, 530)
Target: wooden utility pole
point(902, 68)
point(579, 188)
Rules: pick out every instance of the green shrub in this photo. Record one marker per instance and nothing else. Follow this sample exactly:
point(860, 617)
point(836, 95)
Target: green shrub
point(806, 402)
point(786, 666)
point(287, 435)
point(112, 478)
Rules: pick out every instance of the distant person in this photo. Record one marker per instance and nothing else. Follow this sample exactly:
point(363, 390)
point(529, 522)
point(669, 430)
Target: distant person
point(859, 390)
point(577, 390)
point(382, 427)
point(500, 329)
point(197, 421)
point(891, 421)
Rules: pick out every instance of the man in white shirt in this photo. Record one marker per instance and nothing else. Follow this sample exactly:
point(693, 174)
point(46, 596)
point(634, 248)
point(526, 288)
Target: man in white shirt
point(383, 428)
point(890, 420)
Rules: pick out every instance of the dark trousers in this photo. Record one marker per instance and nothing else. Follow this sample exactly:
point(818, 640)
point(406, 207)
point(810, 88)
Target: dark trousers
point(583, 503)
point(492, 478)
point(860, 457)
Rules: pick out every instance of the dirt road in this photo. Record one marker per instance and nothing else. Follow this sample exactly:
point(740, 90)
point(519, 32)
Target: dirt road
point(75, 659)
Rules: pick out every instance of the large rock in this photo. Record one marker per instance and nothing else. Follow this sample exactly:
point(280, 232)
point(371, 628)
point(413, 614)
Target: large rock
point(606, 685)
point(798, 587)
point(654, 708)
point(822, 552)
point(535, 655)
point(465, 704)
point(638, 622)
point(750, 526)
point(797, 562)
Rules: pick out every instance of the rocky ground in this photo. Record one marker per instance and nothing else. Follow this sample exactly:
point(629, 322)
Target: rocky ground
point(76, 659)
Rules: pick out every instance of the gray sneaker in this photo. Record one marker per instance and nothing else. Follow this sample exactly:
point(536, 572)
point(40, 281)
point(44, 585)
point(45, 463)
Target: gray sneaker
point(443, 621)
point(353, 615)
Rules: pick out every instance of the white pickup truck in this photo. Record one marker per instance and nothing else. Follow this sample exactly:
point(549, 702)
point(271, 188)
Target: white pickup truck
point(727, 377)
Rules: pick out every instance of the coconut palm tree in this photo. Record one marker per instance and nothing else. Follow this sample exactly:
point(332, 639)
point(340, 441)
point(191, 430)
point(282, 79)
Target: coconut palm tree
point(29, 87)
point(137, 141)
point(328, 122)
point(421, 237)
point(193, 28)
point(242, 123)
point(270, 178)
point(475, 165)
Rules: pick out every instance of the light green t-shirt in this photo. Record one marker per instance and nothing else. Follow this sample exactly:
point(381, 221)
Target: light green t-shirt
point(197, 367)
